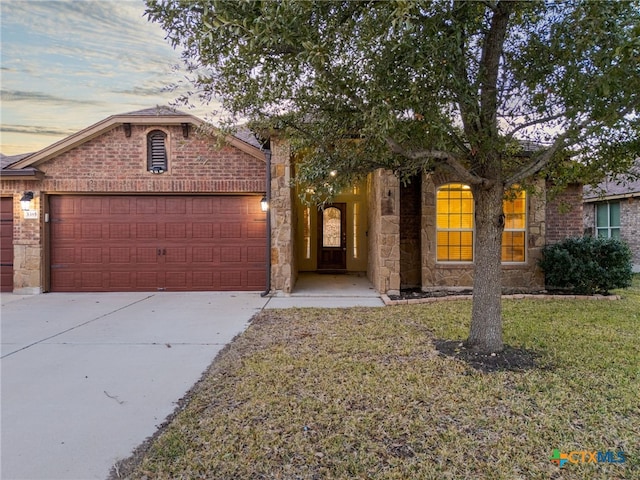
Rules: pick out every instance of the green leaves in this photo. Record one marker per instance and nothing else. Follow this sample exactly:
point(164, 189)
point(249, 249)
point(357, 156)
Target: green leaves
point(568, 75)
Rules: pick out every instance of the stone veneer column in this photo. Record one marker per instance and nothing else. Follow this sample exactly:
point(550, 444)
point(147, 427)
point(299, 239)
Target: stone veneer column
point(281, 209)
point(384, 231)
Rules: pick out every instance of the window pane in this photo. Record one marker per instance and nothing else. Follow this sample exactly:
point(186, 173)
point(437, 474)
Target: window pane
point(614, 215)
point(331, 227)
point(602, 215)
point(603, 233)
point(615, 233)
point(513, 247)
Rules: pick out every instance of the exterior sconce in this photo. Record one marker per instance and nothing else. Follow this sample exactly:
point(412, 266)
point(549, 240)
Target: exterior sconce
point(264, 204)
point(25, 201)
point(157, 170)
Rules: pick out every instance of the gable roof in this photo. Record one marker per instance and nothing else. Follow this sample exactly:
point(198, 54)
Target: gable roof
point(160, 115)
point(617, 186)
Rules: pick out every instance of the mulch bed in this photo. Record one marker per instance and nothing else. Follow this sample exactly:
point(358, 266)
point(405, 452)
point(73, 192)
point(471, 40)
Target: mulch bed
point(511, 359)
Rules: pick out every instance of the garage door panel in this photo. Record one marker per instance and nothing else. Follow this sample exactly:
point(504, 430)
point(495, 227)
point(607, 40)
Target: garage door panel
point(91, 206)
point(146, 230)
point(6, 244)
point(121, 280)
point(256, 278)
point(91, 255)
point(63, 231)
point(91, 231)
point(175, 230)
point(64, 280)
point(204, 230)
point(147, 255)
point(204, 205)
point(162, 243)
point(230, 255)
point(175, 206)
point(120, 206)
point(146, 205)
point(231, 230)
point(119, 231)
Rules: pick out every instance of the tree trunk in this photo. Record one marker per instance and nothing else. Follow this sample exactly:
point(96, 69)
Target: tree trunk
point(486, 316)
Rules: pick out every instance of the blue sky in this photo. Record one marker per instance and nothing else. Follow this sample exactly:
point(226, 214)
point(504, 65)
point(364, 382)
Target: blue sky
point(66, 65)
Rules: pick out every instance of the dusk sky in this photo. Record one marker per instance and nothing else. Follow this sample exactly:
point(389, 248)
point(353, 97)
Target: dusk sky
point(69, 64)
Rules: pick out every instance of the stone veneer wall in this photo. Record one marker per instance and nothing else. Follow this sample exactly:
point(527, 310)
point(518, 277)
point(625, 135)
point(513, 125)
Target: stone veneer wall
point(283, 260)
point(518, 276)
point(115, 163)
point(384, 231)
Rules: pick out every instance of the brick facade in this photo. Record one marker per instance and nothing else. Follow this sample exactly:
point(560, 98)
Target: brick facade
point(114, 162)
point(564, 215)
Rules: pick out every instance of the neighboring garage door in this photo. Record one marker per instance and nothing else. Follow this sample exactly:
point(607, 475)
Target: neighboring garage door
point(148, 243)
point(6, 244)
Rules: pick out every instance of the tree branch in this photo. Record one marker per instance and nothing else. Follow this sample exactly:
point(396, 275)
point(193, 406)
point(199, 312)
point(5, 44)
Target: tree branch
point(448, 160)
point(490, 65)
point(541, 162)
point(522, 126)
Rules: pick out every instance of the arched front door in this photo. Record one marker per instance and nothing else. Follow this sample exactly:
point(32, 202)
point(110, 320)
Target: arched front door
point(332, 237)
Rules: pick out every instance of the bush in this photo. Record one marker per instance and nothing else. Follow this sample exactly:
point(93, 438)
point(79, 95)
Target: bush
point(587, 265)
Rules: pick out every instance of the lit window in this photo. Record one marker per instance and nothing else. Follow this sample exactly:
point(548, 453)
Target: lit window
point(515, 228)
point(306, 232)
point(356, 228)
point(156, 151)
point(454, 223)
point(608, 220)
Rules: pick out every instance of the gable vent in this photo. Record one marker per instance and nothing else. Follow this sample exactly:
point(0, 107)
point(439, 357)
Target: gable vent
point(156, 151)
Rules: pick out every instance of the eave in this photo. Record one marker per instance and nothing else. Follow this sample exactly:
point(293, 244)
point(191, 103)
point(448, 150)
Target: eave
point(28, 173)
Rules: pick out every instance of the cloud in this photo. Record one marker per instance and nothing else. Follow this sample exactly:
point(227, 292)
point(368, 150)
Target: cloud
point(34, 130)
point(21, 96)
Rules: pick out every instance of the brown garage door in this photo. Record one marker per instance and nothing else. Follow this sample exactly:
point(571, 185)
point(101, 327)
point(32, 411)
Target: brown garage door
point(6, 244)
point(149, 243)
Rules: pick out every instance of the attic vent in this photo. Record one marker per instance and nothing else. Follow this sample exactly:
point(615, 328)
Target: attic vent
point(156, 151)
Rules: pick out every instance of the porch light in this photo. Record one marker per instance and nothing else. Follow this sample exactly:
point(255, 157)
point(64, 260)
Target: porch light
point(25, 201)
point(264, 204)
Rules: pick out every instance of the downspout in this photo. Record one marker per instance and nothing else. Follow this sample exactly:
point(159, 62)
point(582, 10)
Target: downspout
point(267, 154)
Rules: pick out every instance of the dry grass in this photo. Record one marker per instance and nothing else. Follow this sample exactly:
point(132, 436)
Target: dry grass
point(362, 393)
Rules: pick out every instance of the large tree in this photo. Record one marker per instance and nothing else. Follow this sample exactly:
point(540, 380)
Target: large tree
point(494, 92)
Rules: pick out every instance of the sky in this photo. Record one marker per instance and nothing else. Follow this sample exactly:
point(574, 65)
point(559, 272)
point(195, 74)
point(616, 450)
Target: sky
point(67, 64)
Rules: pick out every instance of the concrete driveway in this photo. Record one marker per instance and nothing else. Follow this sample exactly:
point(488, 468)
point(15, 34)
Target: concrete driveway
point(88, 377)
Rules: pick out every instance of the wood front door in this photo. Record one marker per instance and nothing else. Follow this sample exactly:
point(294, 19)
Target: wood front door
point(332, 237)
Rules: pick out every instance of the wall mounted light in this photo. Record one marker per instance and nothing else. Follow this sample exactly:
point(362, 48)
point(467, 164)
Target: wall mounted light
point(157, 170)
point(25, 201)
point(264, 204)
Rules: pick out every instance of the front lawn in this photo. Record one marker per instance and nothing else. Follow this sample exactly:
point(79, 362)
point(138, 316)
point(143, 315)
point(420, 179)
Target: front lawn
point(363, 393)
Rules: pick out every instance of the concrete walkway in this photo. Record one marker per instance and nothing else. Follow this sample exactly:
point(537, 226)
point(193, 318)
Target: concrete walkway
point(329, 291)
point(87, 377)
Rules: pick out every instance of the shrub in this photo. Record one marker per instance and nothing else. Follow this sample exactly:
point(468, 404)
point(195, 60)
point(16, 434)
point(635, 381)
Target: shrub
point(587, 265)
